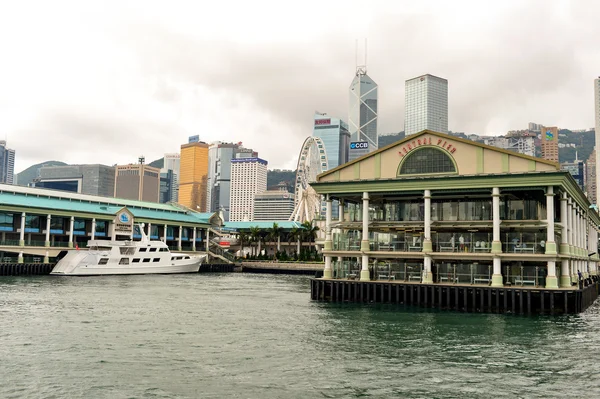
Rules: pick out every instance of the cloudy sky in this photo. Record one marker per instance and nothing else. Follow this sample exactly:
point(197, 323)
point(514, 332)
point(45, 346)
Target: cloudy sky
point(107, 81)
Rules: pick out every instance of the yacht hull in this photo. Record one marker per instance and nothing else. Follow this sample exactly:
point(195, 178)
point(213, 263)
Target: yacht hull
point(100, 270)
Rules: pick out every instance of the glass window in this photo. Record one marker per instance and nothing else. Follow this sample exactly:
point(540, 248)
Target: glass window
point(427, 160)
point(32, 223)
point(103, 261)
point(124, 261)
point(6, 222)
point(101, 226)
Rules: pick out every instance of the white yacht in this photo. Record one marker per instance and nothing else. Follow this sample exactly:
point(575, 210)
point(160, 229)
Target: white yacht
point(126, 257)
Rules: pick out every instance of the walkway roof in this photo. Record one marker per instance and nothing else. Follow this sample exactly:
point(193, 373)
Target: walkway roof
point(44, 201)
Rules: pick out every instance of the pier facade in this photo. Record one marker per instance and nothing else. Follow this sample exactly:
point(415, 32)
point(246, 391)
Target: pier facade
point(37, 224)
point(437, 209)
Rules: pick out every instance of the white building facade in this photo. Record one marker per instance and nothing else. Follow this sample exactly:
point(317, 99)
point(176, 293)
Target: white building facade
point(248, 177)
point(426, 104)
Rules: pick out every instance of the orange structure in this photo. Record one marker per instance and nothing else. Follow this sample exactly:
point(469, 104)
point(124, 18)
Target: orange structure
point(193, 176)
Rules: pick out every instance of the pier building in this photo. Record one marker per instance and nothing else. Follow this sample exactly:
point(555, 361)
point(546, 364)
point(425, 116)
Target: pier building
point(40, 223)
point(437, 209)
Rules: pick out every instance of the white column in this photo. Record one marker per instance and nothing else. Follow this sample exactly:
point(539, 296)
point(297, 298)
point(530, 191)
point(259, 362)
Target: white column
point(496, 243)
point(47, 257)
point(427, 247)
point(207, 243)
point(341, 212)
point(22, 232)
point(364, 244)
point(550, 243)
point(194, 240)
point(427, 275)
point(93, 228)
point(497, 279)
point(48, 224)
point(71, 226)
point(571, 225)
point(179, 239)
point(165, 233)
point(327, 273)
point(149, 231)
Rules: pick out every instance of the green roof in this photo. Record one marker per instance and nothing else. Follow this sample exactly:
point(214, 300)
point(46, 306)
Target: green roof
point(38, 201)
point(284, 224)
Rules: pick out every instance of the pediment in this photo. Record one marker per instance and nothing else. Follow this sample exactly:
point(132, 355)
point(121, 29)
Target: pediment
point(432, 154)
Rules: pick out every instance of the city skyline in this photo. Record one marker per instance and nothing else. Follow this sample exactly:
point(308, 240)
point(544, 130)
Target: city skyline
point(118, 98)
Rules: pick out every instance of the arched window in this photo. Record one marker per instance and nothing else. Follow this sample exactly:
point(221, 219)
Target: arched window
point(427, 160)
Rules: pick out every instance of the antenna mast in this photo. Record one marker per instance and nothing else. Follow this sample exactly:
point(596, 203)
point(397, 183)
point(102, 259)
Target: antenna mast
point(361, 69)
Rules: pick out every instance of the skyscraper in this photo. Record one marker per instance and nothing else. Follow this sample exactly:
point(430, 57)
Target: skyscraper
point(597, 115)
point(7, 164)
point(248, 178)
point(137, 182)
point(219, 173)
point(85, 179)
point(336, 137)
point(193, 176)
point(171, 163)
point(362, 116)
point(590, 172)
point(549, 143)
point(426, 104)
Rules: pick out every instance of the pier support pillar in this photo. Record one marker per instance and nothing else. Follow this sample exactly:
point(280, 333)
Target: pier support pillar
point(20, 258)
point(327, 271)
point(496, 243)
point(71, 226)
point(565, 277)
point(551, 280)
point(48, 224)
point(93, 235)
point(364, 244)
point(427, 275)
point(22, 232)
point(550, 243)
point(179, 239)
point(47, 257)
point(194, 239)
point(364, 272)
point(427, 245)
point(328, 246)
point(497, 279)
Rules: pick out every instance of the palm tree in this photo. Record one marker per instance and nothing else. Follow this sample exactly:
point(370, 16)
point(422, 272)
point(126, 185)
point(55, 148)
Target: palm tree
point(242, 237)
point(255, 235)
point(275, 234)
point(295, 235)
point(310, 231)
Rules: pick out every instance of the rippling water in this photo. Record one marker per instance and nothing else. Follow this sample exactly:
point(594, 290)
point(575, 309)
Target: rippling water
point(259, 336)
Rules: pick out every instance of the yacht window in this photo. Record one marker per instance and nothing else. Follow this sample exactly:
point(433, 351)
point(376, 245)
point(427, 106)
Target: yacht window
point(164, 250)
point(187, 257)
point(135, 260)
point(127, 250)
point(103, 261)
point(173, 258)
point(104, 248)
point(156, 260)
point(142, 249)
point(152, 249)
point(124, 261)
point(146, 260)
point(94, 248)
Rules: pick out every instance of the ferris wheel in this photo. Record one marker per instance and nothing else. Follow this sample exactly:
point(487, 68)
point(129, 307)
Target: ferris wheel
point(311, 162)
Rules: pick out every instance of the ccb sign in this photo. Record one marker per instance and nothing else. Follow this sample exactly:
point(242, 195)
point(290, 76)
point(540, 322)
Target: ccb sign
point(359, 145)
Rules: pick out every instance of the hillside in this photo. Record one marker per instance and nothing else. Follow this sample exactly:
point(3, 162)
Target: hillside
point(584, 145)
point(159, 163)
point(277, 175)
point(25, 177)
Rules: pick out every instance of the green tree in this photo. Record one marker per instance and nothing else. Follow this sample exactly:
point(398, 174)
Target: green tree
point(275, 235)
point(310, 231)
point(242, 236)
point(296, 234)
point(255, 237)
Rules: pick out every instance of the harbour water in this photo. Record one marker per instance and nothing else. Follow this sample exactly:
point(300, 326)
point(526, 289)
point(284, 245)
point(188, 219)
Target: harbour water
point(260, 336)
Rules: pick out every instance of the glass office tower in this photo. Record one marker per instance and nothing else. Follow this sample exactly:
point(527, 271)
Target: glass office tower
point(336, 137)
point(362, 116)
point(426, 105)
